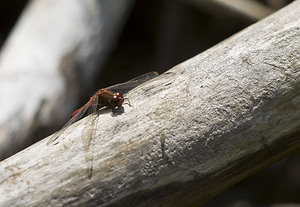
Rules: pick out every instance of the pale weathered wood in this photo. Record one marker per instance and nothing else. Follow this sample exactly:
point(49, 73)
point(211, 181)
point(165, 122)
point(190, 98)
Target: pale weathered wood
point(54, 50)
point(190, 133)
point(246, 9)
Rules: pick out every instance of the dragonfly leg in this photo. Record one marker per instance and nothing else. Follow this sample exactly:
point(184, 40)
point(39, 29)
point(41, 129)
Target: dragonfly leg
point(127, 101)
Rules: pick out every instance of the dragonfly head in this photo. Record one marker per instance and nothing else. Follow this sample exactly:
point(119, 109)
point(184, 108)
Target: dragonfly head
point(117, 100)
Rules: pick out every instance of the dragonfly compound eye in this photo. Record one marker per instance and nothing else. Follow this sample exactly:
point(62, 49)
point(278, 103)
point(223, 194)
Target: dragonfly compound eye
point(117, 100)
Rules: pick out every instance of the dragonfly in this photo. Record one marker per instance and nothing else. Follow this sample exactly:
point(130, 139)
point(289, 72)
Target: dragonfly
point(112, 97)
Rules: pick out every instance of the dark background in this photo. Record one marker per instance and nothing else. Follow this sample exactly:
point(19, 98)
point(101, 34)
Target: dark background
point(162, 33)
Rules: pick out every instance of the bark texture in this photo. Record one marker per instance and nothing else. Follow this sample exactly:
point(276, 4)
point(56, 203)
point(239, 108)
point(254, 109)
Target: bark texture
point(190, 133)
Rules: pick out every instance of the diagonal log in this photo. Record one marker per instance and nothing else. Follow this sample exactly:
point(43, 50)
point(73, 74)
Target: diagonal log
point(190, 133)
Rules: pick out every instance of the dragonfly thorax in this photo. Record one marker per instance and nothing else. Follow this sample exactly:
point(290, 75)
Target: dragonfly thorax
point(110, 99)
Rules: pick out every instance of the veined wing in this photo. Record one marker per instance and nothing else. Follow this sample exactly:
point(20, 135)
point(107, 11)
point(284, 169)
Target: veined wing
point(79, 115)
point(129, 85)
point(88, 133)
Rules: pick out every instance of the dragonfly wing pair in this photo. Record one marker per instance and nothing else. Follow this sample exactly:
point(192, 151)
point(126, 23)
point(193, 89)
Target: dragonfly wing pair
point(133, 83)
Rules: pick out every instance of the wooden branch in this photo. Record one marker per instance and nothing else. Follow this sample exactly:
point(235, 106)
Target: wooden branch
point(246, 9)
point(54, 46)
point(190, 133)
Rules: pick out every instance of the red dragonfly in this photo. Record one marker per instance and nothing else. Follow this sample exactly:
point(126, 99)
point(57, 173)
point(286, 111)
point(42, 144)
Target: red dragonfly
point(108, 97)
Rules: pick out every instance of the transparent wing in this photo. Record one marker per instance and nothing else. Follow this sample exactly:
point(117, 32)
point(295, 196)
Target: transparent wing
point(80, 114)
point(129, 85)
point(88, 132)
